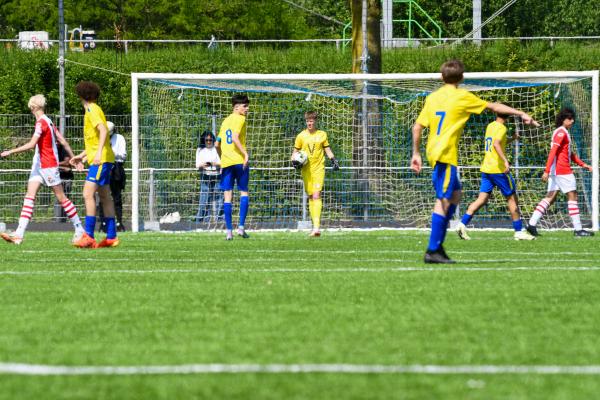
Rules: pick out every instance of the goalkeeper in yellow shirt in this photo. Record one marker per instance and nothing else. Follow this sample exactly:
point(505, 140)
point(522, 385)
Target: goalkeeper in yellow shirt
point(314, 144)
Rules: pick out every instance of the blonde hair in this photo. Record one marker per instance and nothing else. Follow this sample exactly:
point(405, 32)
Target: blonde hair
point(37, 101)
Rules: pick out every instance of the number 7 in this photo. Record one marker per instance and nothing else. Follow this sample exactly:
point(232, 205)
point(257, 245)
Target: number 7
point(442, 115)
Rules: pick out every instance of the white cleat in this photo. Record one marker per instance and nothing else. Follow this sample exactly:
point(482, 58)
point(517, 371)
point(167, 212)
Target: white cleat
point(461, 230)
point(524, 235)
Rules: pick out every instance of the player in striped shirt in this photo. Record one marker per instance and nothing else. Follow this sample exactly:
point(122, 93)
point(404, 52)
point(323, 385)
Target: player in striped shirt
point(559, 175)
point(44, 170)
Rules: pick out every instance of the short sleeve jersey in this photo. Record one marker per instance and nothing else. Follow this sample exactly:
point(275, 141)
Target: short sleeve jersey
point(561, 164)
point(94, 116)
point(445, 113)
point(230, 154)
point(313, 144)
point(46, 152)
point(492, 163)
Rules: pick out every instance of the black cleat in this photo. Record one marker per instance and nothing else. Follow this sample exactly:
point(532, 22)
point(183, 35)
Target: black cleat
point(243, 234)
point(583, 233)
point(437, 257)
point(532, 230)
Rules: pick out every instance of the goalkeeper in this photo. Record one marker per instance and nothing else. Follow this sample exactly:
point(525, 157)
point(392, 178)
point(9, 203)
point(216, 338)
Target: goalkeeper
point(313, 143)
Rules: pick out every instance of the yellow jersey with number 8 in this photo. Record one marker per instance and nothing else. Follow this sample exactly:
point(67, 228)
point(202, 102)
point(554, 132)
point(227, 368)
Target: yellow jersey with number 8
point(230, 154)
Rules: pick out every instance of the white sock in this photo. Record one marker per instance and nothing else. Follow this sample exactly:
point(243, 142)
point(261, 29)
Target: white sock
point(539, 212)
point(71, 212)
point(26, 214)
point(574, 214)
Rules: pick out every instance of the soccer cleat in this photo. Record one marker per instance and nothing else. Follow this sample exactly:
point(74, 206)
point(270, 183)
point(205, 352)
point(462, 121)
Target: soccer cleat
point(229, 236)
point(461, 230)
point(315, 234)
point(438, 256)
point(11, 238)
point(583, 233)
point(523, 235)
point(109, 243)
point(532, 230)
point(242, 233)
point(85, 241)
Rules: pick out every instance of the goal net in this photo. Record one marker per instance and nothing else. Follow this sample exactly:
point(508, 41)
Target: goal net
point(368, 119)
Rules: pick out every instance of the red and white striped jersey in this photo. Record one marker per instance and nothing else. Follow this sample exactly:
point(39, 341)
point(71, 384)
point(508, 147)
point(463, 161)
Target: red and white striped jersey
point(46, 153)
point(559, 159)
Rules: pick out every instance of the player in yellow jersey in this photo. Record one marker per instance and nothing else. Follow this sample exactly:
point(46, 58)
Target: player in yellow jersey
point(445, 113)
point(231, 145)
point(101, 159)
point(314, 143)
point(495, 172)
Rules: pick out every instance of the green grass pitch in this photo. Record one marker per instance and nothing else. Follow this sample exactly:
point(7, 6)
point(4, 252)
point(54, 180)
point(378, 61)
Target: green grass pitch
point(345, 299)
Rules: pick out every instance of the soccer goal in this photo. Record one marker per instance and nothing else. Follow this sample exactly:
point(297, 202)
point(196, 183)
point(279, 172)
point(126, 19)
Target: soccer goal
point(368, 119)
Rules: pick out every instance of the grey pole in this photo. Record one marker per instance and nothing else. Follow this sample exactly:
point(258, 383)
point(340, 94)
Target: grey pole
point(61, 66)
point(477, 22)
point(365, 124)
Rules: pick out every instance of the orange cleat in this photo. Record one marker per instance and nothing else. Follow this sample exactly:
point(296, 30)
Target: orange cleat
point(85, 242)
point(11, 238)
point(109, 243)
point(315, 234)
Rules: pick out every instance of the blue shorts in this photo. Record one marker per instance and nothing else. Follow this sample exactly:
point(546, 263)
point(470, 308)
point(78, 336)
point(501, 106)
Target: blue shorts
point(504, 182)
point(445, 180)
point(235, 174)
point(99, 174)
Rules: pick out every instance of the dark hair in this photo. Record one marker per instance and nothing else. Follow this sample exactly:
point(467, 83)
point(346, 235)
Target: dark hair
point(203, 136)
point(565, 113)
point(239, 99)
point(88, 90)
point(452, 71)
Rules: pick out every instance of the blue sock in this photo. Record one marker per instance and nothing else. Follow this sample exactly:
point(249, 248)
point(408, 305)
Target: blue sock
point(90, 225)
point(111, 228)
point(438, 226)
point(449, 215)
point(466, 219)
point(244, 203)
point(518, 225)
point(227, 211)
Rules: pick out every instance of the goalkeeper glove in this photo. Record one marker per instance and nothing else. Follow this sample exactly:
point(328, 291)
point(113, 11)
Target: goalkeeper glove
point(297, 164)
point(335, 165)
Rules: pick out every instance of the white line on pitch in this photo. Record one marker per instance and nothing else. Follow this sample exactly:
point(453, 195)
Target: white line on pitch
point(316, 251)
point(294, 270)
point(35, 369)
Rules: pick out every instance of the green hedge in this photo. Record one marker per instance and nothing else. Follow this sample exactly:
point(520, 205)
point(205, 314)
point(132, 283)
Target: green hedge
point(24, 73)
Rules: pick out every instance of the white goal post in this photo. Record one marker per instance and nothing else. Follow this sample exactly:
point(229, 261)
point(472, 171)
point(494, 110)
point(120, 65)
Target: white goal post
point(368, 119)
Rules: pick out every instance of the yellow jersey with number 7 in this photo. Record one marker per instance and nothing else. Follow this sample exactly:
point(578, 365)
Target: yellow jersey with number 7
point(230, 154)
point(445, 113)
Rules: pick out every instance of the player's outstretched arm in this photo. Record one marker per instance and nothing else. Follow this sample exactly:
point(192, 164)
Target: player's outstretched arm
point(416, 163)
point(27, 146)
point(500, 108)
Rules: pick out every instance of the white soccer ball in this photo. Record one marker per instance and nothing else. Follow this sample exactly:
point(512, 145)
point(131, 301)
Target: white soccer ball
point(300, 157)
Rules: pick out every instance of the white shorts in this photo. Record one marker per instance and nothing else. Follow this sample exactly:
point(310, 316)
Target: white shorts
point(48, 176)
point(564, 183)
